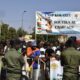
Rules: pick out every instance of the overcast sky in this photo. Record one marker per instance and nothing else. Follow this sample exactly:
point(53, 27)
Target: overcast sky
point(11, 10)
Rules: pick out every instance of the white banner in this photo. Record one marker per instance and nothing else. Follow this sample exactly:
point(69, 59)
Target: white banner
point(58, 22)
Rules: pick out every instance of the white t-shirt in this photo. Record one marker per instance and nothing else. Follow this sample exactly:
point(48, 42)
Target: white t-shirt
point(56, 70)
point(42, 49)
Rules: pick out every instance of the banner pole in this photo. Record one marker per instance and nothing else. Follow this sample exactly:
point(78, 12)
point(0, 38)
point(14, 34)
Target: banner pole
point(35, 36)
point(46, 37)
point(36, 27)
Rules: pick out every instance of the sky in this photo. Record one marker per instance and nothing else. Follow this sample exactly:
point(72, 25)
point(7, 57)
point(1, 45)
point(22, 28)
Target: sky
point(11, 10)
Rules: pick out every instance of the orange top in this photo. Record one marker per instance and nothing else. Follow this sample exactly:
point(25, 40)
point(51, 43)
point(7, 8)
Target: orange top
point(29, 51)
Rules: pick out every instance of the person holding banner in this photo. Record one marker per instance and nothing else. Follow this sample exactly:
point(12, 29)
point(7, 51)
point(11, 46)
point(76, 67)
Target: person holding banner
point(70, 60)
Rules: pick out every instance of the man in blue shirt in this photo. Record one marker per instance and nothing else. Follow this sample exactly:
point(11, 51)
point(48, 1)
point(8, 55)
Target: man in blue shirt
point(36, 65)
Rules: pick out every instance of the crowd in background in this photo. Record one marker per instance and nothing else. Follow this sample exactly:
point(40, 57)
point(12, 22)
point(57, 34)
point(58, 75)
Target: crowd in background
point(31, 60)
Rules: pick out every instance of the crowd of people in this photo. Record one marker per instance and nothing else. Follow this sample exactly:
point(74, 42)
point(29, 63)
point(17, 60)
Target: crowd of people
point(34, 60)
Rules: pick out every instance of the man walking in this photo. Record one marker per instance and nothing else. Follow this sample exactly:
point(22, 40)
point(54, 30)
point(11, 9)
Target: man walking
point(13, 61)
point(70, 59)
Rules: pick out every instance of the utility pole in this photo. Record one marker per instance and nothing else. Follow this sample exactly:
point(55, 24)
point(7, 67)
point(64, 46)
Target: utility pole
point(22, 20)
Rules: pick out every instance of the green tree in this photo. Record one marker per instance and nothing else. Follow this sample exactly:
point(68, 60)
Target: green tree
point(20, 31)
point(7, 32)
point(4, 31)
point(12, 33)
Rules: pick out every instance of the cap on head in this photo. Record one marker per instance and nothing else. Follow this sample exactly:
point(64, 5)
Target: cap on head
point(34, 43)
point(71, 42)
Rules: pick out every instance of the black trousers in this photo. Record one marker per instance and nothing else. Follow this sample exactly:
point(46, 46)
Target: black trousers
point(3, 74)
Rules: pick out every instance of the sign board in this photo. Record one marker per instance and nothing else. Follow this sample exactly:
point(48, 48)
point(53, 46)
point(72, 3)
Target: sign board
point(58, 22)
point(56, 70)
